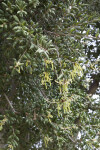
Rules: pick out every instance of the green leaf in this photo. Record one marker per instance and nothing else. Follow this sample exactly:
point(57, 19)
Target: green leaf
point(16, 18)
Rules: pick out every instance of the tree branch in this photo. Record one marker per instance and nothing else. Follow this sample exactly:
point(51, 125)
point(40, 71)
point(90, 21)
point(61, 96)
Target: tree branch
point(12, 108)
point(93, 87)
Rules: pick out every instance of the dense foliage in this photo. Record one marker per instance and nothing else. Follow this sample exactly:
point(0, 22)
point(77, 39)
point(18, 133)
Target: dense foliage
point(44, 100)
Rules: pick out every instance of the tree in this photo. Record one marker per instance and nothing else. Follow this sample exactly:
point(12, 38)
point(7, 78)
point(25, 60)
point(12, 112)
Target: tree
point(44, 100)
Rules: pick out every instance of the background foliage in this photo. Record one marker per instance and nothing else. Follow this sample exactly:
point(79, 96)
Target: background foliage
point(44, 66)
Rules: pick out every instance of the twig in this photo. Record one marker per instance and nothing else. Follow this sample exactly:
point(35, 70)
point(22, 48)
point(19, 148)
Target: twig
point(74, 141)
point(12, 108)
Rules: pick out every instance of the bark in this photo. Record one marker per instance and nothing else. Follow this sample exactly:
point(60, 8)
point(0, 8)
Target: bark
point(93, 87)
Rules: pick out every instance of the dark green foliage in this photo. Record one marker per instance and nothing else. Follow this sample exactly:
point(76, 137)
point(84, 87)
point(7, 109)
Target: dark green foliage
point(42, 81)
